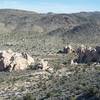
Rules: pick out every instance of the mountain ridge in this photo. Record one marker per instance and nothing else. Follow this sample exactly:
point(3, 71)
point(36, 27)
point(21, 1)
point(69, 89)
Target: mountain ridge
point(46, 22)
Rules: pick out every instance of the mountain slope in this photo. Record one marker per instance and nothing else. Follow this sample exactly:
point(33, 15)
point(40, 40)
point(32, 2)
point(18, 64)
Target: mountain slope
point(24, 21)
point(36, 32)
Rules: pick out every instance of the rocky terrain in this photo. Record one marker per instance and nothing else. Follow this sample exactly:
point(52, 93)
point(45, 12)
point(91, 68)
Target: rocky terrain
point(65, 82)
point(42, 36)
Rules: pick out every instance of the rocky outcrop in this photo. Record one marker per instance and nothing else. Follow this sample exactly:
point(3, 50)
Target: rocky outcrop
point(10, 60)
point(87, 55)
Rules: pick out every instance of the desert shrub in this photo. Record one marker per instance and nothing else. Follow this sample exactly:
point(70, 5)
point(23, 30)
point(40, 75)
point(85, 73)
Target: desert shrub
point(73, 98)
point(29, 96)
point(15, 98)
point(93, 91)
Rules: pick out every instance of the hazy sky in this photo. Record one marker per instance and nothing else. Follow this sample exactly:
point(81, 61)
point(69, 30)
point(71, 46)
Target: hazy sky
point(57, 6)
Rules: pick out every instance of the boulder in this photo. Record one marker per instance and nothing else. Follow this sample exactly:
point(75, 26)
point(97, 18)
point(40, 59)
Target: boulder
point(44, 63)
point(18, 64)
point(5, 59)
point(41, 64)
point(10, 60)
point(21, 61)
point(67, 49)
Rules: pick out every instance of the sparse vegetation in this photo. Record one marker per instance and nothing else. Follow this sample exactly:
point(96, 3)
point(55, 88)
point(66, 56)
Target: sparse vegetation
point(34, 33)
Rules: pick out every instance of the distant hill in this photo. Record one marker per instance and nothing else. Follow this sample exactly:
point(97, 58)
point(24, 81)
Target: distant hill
point(21, 28)
point(12, 20)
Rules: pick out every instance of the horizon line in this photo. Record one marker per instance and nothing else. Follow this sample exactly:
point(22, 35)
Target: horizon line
point(28, 10)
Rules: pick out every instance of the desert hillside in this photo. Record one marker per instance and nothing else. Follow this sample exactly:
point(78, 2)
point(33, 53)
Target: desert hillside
point(68, 69)
point(31, 31)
